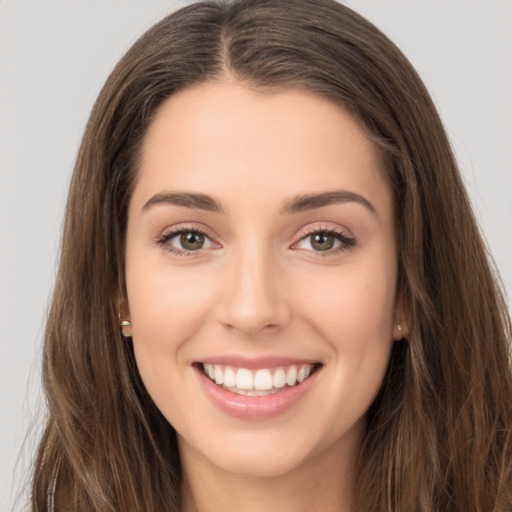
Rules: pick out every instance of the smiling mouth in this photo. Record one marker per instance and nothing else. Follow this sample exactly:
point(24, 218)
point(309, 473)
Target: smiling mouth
point(260, 382)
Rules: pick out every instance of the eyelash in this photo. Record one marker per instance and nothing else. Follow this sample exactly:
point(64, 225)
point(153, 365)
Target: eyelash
point(162, 241)
point(346, 242)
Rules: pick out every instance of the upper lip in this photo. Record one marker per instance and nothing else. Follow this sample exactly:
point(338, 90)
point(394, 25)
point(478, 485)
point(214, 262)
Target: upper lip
point(255, 363)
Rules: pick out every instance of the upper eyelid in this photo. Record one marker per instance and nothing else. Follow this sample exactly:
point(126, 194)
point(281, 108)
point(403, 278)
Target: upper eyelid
point(181, 228)
point(173, 231)
point(162, 241)
point(305, 231)
point(345, 237)
point(323, 228)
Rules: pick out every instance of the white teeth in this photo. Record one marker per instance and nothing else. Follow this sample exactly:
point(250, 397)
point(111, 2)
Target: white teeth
point(303, 373)
point(257, 382)
point(208, 368)
point(291, 376)
point(279, 378)
point(263, 380)
point(229, 378)
point(252, 392)
point(244, 379)
point(219, 375)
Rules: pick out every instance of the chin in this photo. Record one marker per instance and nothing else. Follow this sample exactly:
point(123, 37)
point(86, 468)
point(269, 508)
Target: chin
point(258, 463)
point(273, 451)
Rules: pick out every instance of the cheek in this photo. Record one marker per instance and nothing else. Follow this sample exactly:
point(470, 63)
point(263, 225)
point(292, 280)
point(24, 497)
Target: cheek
point(166, 308)
point(353, 312)
point(355, 303)
point(166, 305)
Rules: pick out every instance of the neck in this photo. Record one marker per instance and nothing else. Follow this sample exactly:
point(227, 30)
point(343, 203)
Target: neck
point(324, 484)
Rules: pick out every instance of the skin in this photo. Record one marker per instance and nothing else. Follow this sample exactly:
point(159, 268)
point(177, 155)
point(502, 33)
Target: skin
point(259, 287)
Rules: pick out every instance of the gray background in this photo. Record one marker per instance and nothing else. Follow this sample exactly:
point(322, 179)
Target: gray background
point(54, 57)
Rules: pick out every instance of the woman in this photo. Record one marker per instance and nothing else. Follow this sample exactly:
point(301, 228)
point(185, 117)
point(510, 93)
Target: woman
point(272, 291)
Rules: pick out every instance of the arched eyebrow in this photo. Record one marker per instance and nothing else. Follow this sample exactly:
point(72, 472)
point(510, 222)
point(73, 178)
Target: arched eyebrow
point(186, 199)
point(295, 205)
point(312, 201)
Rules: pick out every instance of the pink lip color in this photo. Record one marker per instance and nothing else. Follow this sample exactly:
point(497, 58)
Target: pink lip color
point(254, 407)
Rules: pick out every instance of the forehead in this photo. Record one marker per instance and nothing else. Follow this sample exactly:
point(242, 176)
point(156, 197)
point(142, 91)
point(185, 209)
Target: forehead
point(221, 138)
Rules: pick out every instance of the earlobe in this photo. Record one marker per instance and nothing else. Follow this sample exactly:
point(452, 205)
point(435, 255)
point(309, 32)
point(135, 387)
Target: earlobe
point(399, 332)
point(402, 323)
point(125, 318)
point(126, 328)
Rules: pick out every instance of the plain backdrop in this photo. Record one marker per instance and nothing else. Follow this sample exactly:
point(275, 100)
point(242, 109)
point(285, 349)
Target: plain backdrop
point(54, 57)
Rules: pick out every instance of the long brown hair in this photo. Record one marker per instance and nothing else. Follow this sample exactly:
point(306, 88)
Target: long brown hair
point(439, 432)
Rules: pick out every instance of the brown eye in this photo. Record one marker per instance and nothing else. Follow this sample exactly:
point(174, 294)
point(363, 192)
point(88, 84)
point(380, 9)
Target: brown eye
point(326, 241)
point(322, 241)
point(192, 240)
point(185, 241)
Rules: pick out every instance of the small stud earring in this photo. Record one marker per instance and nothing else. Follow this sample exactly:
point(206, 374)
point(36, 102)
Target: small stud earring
point(398, 326)
point(125, 323)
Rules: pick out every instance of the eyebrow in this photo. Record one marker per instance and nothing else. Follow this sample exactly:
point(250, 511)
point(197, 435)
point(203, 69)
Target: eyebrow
point(312, 201)
point(186, 199)
point(296, 205)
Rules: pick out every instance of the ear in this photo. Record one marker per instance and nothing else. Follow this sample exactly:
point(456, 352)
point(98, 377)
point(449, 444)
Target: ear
point(400, 331)
point(125, 320)
point(402, 319)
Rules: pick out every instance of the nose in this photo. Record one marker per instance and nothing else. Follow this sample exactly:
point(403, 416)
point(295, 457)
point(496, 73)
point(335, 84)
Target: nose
point(254, 298)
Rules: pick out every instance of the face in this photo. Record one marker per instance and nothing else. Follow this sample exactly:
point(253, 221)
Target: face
point(261, 276)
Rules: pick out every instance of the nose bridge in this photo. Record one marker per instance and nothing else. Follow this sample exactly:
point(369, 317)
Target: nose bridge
point(253, 298)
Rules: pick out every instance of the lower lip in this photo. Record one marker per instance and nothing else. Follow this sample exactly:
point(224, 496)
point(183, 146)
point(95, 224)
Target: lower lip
point(255, 407)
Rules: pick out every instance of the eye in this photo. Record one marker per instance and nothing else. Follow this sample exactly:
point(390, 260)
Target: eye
point(328, 241)
point(191, 241)
point(184, 241)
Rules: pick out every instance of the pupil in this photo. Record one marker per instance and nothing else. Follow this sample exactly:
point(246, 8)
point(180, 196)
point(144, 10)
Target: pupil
point(192, 241)
point(322, 242)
